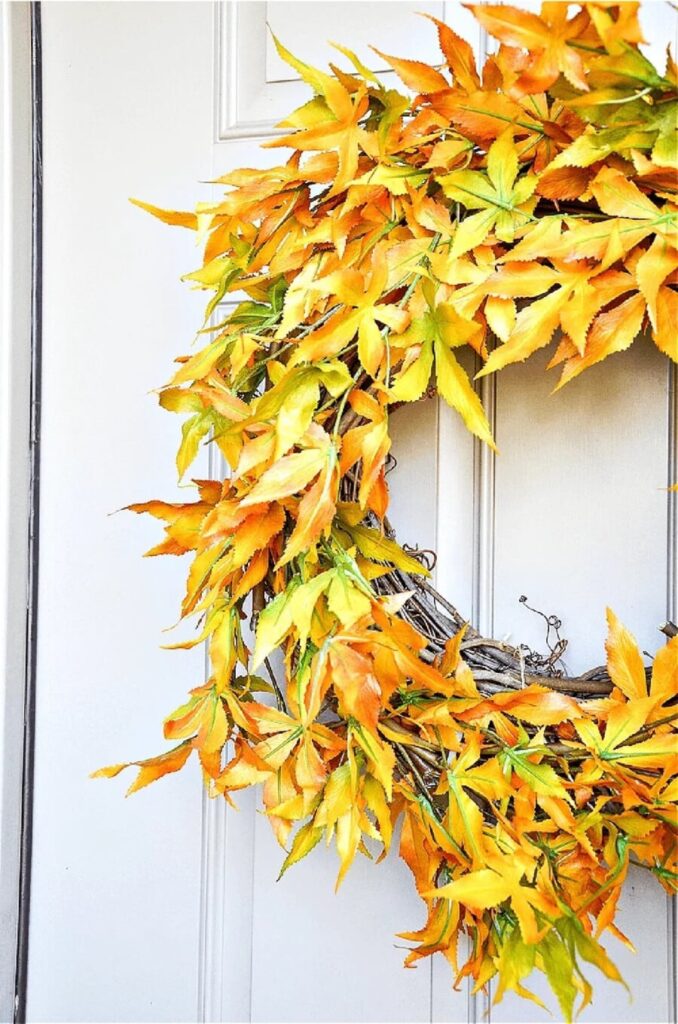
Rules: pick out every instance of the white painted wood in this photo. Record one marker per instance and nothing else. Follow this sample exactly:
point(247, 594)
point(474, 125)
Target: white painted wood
point(581, 523)
point(413, 482)
point(461, 566)
point(471, 492)
point(659, 22)
point(672, 615)
point(584, 470)
point(300, 967)
point(356, 972)
point(114, 913)
point(227, 874)
point(166, 908)
point(317, 956)
point(15, 376)
point(660, 25)
point(255, 88)
point(456, 511)
point(395, 28)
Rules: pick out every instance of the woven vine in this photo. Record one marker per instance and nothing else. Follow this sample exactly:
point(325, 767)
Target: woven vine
point(498, 210)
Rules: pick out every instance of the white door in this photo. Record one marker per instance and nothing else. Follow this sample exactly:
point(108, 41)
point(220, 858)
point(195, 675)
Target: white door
point(164, 907)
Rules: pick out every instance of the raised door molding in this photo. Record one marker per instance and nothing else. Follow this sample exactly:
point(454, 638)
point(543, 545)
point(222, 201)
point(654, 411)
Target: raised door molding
point(254, 89)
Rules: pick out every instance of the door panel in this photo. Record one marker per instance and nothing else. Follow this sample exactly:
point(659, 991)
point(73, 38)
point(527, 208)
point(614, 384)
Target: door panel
point(166, 907)
point(491, 524)
point(115, 889)
point(581, 523)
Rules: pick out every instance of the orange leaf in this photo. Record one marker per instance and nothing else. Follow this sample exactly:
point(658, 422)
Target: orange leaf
point(420, 77)
point(459, 56)
point(355, 684)
point(152, 768)
point(182, 220)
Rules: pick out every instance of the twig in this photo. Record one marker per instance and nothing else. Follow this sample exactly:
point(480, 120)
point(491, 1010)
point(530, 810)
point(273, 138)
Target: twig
point(280, 700)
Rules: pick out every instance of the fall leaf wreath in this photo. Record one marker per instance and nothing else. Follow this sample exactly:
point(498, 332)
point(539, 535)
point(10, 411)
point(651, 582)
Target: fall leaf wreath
point(497, 210)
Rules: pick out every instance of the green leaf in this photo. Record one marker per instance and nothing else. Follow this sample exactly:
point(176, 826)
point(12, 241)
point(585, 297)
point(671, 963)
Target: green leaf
point(540, 777)
point(393, 177)
point(304, 841)
point(665, 150)
point(374, 545)
point(345, 600)
point(180, 400)
point(559, 969)
point(294, 607)
point(192, 432)
point(516, 962)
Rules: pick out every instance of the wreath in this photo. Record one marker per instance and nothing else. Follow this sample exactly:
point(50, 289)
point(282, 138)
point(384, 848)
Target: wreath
point(494, 210)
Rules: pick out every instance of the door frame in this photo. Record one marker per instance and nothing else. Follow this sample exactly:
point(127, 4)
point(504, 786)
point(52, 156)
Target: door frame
point(20, 292)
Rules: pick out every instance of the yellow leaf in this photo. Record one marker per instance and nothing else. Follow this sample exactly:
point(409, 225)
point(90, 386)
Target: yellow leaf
point(371, 346)
point(223, 649)
point(664, 685)
point(624, 662)
point(380, 756)
point(665, 334)
point(478, 889)
point(459, 56)
point(346, 600)
point(618, 196)
point(414, 378)
point(450, 658)
point(295, 415)
point(294, 607)
point(274, 622)
point(193, 430)
point(534, 328)
point(200, 364)
point(502, 164)
point(377, 802)
point(457, 390)
point(394, 177)
point(501, 315)
point(289, 475)
point(316, 511)
point(348, 840)
point(612, 331)
point(657, 752)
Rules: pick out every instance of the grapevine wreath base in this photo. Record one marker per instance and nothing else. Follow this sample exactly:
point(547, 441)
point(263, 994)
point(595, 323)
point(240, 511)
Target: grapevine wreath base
point(496, 210)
